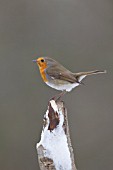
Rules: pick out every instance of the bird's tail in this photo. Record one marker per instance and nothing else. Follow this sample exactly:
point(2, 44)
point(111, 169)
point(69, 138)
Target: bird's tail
point(79, 76)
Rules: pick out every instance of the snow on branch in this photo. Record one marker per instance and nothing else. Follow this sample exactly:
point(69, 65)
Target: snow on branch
point(54, 149)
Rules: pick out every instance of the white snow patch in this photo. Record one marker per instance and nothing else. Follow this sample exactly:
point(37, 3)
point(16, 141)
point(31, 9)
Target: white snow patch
point(54, 106)
point(55, 143)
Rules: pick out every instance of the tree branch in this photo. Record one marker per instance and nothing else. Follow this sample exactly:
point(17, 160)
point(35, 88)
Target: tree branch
point(54, 150)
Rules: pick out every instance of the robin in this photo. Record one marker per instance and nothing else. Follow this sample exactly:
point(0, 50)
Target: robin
point(58, 77)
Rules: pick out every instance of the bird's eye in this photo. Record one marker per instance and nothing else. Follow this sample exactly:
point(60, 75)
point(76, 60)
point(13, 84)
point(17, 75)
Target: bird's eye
point(42, 60)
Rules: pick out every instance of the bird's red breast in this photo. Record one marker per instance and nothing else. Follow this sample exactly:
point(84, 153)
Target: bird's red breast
point(42, 66)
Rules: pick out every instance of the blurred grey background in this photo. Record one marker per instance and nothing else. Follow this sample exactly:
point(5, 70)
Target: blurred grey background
point(79, 34)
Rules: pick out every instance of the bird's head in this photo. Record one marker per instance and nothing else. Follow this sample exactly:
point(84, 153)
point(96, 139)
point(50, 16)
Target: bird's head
point(44, 62)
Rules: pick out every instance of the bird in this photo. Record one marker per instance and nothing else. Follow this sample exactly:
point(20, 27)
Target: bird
point(58, 77)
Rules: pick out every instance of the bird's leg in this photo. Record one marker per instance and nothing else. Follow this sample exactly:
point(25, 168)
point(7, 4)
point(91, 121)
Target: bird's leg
point(58, 96)
point(61, 94)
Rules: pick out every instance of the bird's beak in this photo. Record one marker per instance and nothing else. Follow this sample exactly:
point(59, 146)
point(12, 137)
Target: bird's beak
point(34, 61)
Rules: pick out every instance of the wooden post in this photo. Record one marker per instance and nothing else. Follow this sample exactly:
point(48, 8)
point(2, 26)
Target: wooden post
point(54, 150)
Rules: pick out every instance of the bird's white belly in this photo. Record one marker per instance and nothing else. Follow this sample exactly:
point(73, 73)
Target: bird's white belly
point(68, 87)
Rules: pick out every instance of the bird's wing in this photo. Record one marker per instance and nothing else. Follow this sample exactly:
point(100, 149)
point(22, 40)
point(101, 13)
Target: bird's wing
point(61, 73)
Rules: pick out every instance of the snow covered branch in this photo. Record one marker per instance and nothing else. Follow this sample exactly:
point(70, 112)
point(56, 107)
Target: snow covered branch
point(54, 150)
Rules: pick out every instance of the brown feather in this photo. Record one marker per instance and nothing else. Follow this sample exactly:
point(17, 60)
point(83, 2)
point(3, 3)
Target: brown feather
point(61, 73)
